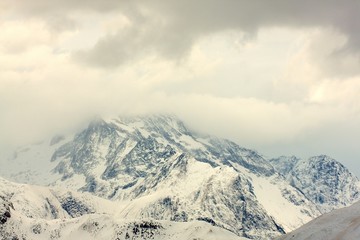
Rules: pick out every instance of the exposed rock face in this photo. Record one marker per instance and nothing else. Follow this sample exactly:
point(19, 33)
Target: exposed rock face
point(5, 209)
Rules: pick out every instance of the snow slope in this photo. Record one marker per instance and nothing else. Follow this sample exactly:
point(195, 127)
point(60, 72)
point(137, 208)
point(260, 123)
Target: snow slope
point(341, 224)
point(31, 212)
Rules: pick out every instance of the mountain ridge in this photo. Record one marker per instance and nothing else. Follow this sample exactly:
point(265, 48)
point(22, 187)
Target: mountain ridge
point(168, 172)
point(34, 212)
point(340, 186)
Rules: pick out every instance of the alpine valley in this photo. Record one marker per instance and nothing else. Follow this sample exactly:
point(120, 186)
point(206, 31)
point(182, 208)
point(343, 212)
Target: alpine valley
point(150, 177)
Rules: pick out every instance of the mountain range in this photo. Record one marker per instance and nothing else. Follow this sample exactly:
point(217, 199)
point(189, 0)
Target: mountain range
point(154, 173)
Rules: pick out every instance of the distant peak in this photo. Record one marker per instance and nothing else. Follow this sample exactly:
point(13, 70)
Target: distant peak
point(323, 157)
point(166, 121)
point(96, 121)
point(144, 117)
point(168, 118)
point(286, 158)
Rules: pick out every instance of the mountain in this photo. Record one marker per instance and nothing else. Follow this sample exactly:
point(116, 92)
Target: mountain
point(32, 212)
point(322, 179)
point(339, 224)
point(156, 168)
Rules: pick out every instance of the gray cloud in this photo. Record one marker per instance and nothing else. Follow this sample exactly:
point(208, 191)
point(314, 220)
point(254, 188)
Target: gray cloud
point(130, 43)
point(48, 7)
point(60, 15)
point(171, 27)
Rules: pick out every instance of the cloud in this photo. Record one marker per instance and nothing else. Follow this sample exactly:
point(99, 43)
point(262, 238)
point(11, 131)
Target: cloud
point(53, 94)
point(275, 75)
point(170, 28)
point(324, 51)
point(18, 36)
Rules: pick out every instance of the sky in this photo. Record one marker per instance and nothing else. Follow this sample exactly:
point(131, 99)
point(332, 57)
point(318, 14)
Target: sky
point(280, 76)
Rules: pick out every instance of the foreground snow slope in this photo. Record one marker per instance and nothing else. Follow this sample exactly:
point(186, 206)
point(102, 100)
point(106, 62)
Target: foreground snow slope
point(40, 213)
point(341, 224)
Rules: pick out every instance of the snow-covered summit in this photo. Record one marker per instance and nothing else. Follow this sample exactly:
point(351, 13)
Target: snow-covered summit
point(156, 167)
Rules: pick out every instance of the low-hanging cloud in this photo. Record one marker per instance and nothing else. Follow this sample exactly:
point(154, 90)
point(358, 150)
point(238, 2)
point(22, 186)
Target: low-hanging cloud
point(290, 79)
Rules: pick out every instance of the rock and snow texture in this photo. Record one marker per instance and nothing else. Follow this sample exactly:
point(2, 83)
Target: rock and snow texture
point(322, 179)
point(154, 167)
point(33, 213)
point(340, 224)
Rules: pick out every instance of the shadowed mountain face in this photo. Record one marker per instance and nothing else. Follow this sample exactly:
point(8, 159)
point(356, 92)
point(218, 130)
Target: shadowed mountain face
point(159, 169)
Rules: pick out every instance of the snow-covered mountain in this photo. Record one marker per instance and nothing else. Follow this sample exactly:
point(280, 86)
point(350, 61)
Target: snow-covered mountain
point(341, 224)
point(32, 213)
point(322, 179)
point(157, 168)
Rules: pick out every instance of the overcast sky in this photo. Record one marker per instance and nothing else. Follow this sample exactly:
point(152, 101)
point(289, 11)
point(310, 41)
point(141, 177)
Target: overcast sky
point(280, 76)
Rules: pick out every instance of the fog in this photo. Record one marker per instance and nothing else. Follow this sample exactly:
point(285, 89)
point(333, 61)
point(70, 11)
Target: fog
point(281, 77)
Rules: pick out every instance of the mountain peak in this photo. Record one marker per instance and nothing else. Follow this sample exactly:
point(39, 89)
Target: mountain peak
point(157, 168)
point(156, 121)
point(339, 187)
point(97, 121)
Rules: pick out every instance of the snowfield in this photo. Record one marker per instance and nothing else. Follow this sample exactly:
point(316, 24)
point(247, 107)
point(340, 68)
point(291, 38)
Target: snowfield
point(341, 224)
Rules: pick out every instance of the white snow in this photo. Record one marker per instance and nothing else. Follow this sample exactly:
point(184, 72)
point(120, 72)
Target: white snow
point(341, 224)
point(31, 163)
point(270, 196)
point(30, 219)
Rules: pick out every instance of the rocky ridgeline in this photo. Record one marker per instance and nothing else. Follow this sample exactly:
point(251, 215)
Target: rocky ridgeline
point(164, 171)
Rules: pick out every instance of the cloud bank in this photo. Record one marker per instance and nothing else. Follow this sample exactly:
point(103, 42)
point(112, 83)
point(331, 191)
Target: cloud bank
point(278, 76)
